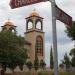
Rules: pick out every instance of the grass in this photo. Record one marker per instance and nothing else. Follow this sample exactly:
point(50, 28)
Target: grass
point(44, 73)
point(60, 73)
point(67, 73)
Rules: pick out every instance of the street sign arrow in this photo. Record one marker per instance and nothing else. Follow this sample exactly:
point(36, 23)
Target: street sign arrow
point(63, 17)
point(20, 3)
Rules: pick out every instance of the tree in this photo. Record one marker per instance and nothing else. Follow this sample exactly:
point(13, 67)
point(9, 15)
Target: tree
point(72, 53)
point(12, 51)
point(36, 63)
point(29, 65)
point(71, 31)
point(51, 59)
point(66, 61)
point(42, 64)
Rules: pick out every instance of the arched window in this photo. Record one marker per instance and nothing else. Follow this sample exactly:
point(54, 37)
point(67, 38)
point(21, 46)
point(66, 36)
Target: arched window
point(39, 45)
point(38, 25)
point(29, 24)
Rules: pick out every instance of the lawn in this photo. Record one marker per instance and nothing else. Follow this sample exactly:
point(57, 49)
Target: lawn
point(43, 73)
point(67, 73)
point(60, 73)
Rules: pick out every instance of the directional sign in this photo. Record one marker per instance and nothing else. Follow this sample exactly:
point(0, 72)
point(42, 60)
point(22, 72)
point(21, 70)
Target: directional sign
point(20, 3)
point(63, 17)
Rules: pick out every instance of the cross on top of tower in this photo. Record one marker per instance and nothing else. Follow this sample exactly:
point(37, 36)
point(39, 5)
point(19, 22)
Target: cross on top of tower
point(8, 22)
point(34, 13)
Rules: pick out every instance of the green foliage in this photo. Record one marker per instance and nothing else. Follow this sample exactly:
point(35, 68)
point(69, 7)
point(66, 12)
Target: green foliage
point(66, 61)
point(12, 51)
point(36, 63)
point(71, 31)
point(42, 64)
point(61, 65)
point(51, 59)
point(29, 65)
point(72, 53)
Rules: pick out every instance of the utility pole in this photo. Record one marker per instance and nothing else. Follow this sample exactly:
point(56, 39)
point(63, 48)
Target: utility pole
point(54, 36)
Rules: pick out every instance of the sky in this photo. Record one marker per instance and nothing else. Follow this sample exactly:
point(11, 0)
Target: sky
point(18, 15)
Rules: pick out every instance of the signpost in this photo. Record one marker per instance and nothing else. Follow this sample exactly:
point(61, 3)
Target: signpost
point(63, 17)
point(54, 37)
point(20, 3)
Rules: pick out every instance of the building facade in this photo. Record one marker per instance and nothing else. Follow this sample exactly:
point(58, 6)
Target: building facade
point(34, 35)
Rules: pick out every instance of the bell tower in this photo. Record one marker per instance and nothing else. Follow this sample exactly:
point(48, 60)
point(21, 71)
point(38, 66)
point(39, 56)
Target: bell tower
point(35, 35)
point(9, 26)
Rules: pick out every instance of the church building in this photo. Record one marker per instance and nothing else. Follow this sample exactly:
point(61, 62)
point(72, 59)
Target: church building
point(34, 35)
